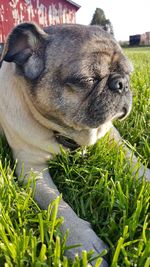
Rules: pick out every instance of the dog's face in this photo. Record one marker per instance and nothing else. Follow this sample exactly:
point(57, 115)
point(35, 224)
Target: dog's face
point(77, 75)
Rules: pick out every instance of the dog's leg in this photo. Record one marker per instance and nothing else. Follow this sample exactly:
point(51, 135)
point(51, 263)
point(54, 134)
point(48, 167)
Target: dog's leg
point(80, 231)
point(140, 170)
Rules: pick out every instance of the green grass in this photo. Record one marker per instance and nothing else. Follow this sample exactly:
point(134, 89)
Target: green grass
point(136, 129)
point(138, 49)
point(98, 185)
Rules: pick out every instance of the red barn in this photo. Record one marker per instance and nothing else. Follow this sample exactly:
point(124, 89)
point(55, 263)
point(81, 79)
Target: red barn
point(44, 12)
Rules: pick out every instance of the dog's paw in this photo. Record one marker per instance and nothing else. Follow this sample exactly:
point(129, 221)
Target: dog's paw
point(82, 233)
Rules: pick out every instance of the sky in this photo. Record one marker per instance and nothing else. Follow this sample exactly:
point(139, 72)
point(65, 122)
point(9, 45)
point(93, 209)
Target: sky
point(128, 17)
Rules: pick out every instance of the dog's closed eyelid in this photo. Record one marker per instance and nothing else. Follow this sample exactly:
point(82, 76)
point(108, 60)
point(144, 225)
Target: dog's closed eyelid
point(72, 80)
point(76, 83)
point(84, 82)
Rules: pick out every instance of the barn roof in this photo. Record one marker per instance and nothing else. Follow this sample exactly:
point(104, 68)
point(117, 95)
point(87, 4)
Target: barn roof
point(73, 3)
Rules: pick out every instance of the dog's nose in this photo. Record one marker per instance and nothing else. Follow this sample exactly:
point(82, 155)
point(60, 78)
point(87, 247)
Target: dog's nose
point(118, 83)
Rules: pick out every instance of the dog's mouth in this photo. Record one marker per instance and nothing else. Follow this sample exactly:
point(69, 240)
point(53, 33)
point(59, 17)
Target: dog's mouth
point(70, 144)
point(65, 141)
point(125, 112)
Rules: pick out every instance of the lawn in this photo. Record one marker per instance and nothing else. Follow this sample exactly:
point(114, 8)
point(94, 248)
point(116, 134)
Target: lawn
point(99, 186)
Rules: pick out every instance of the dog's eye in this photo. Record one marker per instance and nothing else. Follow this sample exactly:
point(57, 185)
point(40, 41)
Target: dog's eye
point(82, 81)
point(90, 80)
point(93, 81)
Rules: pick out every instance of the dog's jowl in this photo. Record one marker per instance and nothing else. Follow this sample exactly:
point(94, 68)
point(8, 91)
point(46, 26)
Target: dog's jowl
point(62, 86)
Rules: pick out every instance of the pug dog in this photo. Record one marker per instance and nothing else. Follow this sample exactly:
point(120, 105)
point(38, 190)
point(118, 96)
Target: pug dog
point(62, 86)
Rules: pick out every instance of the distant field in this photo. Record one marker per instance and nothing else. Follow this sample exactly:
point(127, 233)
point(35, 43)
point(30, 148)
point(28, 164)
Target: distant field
point(138, 49)
point(98, 185)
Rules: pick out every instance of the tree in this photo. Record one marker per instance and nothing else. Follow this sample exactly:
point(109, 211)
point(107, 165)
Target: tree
point(99, 18)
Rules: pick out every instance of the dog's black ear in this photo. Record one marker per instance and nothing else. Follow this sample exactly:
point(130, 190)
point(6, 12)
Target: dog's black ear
point(25, 46)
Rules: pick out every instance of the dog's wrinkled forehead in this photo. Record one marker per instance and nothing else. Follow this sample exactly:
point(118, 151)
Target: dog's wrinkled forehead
point(79, 35)
point(83, 47)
